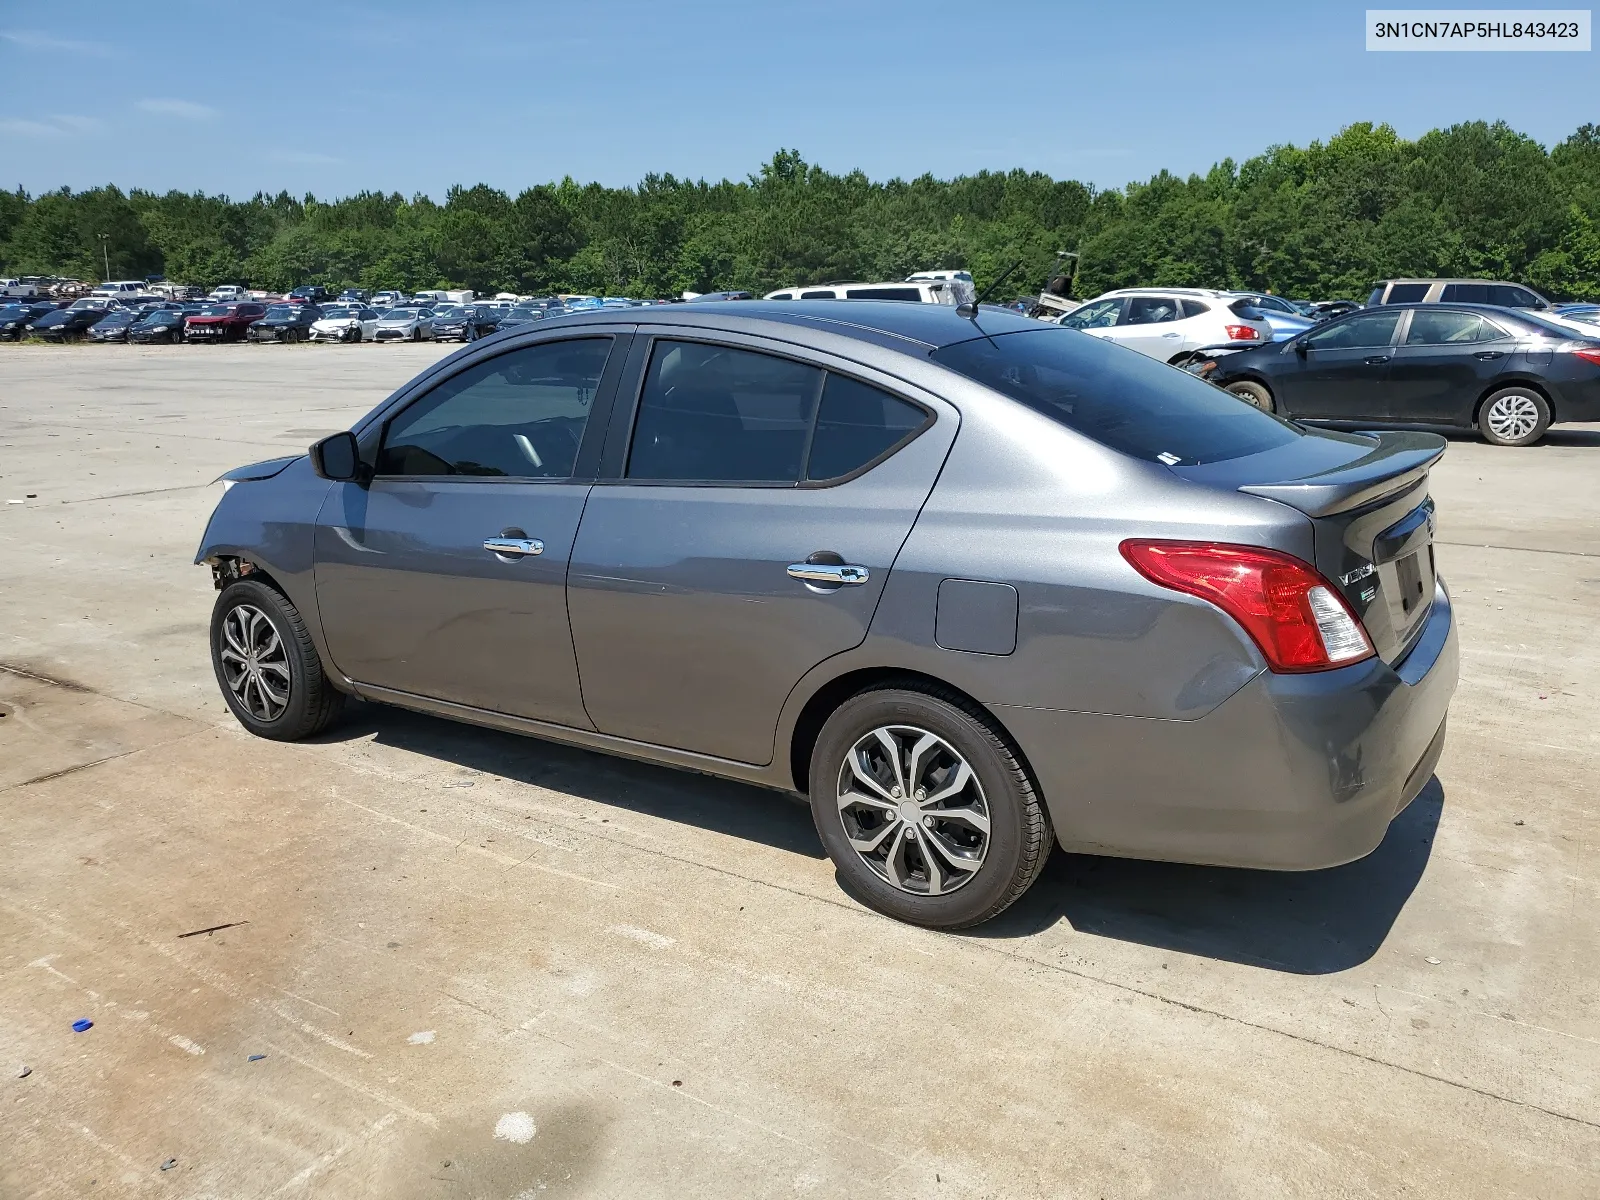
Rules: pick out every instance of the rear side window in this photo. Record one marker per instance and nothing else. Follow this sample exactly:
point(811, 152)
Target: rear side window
point(519, 415)
point(1121, 399)
point(1365, 330)
point(717, 414)
point(1407, 293)
point(1194, 308)
point(827, 295)
point(1512, 297)
point(1149, 310)
point(1465, 293)
point(884, 293)
point(1432, 327)
point(857, 423)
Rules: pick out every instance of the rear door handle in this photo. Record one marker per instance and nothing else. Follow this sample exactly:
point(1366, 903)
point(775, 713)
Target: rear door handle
point(1377, 359)
point(843, 573)
point(1171, 335)
point(514, 547)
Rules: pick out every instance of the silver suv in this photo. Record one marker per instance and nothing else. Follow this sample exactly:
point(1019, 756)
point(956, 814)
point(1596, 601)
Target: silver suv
point(1456, 291)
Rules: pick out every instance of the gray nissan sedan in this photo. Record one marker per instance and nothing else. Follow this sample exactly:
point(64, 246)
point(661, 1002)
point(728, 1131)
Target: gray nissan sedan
point(971, 583)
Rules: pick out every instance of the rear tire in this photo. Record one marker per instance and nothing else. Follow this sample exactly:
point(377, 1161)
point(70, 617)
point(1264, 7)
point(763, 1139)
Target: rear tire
point(1514, 416)
point(1252, 393)
point(967, 841)
point(267, 665)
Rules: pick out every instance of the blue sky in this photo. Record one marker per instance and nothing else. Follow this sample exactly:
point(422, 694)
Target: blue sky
point(333, 98)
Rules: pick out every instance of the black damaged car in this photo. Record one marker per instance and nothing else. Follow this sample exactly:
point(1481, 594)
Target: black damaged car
point(162, 325)
point(15, 318)
point(284, 323)
point(466, 322)
point(74, 321)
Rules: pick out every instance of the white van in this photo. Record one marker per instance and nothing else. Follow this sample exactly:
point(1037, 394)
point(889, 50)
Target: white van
point(936, 291)
point(946, 276)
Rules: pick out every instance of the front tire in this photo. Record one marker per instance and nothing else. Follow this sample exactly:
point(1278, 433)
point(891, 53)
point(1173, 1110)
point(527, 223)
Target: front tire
point(267, 665)
point(925, 808)
point(1252, 393)
point(1514, 416)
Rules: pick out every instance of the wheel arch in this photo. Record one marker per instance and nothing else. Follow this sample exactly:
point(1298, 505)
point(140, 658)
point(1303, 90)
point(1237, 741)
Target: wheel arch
point(1501, 383)
point(823, 702)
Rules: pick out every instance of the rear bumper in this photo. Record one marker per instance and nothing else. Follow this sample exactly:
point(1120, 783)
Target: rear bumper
point(1292, 772)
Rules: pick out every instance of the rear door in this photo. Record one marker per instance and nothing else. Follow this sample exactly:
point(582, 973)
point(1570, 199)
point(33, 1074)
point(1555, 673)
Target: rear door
point(1152, 325)
point(1347, 369)
point(756, 503)
point(1445, 360)
point(445, 576)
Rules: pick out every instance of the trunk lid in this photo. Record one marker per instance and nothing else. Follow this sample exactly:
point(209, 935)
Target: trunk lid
point(1366, 496)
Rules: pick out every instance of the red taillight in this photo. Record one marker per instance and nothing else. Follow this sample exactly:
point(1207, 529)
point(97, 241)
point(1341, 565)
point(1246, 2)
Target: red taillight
point(1240, 333)
point(1296, 618)
point(1590, 355)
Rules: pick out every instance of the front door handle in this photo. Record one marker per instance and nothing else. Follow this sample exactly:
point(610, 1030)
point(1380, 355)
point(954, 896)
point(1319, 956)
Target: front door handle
point(514, 547)
point(839, 573)
point(1376, 359)
point(1489, 354)
point(1171, 335)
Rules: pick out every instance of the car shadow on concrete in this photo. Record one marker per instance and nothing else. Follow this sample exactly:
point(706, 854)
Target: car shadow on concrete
point(755, 814)
point(1304, 923)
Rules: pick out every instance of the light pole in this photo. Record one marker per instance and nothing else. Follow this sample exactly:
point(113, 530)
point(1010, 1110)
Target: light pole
point(105, 249)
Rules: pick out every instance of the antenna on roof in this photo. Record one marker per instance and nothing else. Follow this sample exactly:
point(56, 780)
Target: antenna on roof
point(971, 310)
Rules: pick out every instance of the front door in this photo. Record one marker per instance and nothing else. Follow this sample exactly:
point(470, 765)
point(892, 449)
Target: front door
point(747, 538)
point(445, 577)
point(1445, 361)
point(1346, 369)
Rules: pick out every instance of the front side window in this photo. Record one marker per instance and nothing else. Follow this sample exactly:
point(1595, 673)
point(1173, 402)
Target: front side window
point(717, 414)
point(1368, 329)
point(519, 415)
point(828, 295)
point(1465, 293)
point(1431, 327)
point(1150, 310)
point(1097, 314)
point(1128, 402)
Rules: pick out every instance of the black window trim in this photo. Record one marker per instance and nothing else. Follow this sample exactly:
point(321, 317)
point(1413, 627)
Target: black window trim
point(625, 412)
point(372, 433)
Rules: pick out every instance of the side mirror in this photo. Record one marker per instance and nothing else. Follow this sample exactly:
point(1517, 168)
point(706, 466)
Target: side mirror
point(337, 457)
point(1300, 347)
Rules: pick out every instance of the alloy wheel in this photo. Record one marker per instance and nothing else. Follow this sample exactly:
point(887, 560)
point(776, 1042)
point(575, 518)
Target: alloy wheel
point(913, 809)
point(255, 663)
point(1514, 417)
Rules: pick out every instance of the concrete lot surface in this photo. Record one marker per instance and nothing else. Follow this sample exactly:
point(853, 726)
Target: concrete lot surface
point(484, 966)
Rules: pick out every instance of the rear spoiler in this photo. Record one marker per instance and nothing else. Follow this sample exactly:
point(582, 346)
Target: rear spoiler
point(1397, 462)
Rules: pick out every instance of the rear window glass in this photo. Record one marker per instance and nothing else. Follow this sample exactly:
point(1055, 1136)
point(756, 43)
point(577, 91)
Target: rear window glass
point(1118, 397)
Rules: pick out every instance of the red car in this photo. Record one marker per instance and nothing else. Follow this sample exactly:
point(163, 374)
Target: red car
point(222, 322)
